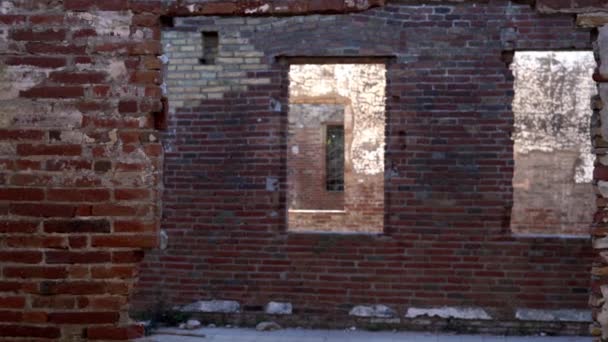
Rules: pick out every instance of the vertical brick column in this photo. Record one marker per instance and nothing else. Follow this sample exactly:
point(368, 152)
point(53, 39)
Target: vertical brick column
point(79, 165)
point(599, 293)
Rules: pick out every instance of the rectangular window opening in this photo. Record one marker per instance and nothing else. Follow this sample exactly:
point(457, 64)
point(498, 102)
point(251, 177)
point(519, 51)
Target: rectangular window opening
point(211, 43)
point(335, 162)
point(334, 158)
point(553, 163)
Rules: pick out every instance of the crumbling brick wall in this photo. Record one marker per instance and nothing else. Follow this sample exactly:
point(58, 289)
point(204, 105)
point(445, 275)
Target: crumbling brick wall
point(42, 301)
point(80, 165)
point(449, 168)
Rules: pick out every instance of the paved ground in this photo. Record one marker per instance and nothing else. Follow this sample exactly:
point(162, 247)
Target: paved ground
point(303, 335)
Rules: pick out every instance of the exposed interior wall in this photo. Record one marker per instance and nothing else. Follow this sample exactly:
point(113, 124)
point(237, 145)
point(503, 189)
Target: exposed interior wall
point(352, 95)
point(448, 189)
point(552, 186)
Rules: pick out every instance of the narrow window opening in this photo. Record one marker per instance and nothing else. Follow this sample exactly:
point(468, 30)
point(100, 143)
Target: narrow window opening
point(553, 163)
point(335, 162)
point(211, 43)
point(334, 158)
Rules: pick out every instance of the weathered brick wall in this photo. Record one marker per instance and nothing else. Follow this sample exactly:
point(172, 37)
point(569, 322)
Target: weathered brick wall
point(79, 167)
point(448, 185)
point(80, 160)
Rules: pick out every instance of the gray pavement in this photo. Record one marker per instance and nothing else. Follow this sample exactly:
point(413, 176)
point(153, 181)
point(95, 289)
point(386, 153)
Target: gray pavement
point(305, 335)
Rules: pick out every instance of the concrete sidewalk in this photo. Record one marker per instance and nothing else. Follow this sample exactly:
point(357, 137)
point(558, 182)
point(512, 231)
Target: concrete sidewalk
point(305, 335)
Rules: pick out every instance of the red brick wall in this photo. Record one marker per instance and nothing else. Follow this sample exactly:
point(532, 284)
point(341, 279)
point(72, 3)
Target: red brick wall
point(80, 160)
point(448, 185)
point(79, 171)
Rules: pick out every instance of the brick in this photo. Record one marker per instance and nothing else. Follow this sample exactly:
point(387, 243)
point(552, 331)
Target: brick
point(29, 331)
point(41, 62)
point(146, 20)
point(37, 242)
point(115, 333)
point(30, 179)
point(59, 49)
point(84, 33)
point(12, 302)
point(76, 288)
point(45, 272)
point(69, 257)
point(22, 227)
point(61, 164)
point(53, 92)
point(107, 303)
point(115, 210)
point(77, 77)
point(49, 150)
point(35, 317)
point(83, 317)
point(42, 210)
point(11, 19)
point(54, 302)
point(152, 63)
point(32, 35)
point(78, 241)
point(133, 241)
point(16, 135)
point(77, 226)
point(127, 257)
point(127, 107)
point(600, 173)
point(10, 286)
point(131, 194)
point(134, 227)
point(78, 195)
point(114, 5)
point(21, 194)
point(10, 316)
point(145, 48)
point(102, 166)
point(146, 77)
point(124, 272)
point(46, 19)
point(24, 257)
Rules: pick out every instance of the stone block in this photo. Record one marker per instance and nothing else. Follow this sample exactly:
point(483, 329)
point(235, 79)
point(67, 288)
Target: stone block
point(278, 308)
point(213, 306)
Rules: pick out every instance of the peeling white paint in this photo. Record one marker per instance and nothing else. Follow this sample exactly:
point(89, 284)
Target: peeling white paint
point(449, 312)
point(28, 114)
point(16, 78)
point(111, 23)
point(262, 9)
point(117, 69)
point(551, 104)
